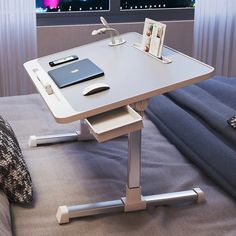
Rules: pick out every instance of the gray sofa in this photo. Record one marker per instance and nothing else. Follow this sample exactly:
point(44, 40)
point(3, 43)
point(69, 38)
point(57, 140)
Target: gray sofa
point(5, 216)
point(83, 172)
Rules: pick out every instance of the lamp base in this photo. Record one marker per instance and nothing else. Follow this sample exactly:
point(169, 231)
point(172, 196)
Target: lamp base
point(117, 42)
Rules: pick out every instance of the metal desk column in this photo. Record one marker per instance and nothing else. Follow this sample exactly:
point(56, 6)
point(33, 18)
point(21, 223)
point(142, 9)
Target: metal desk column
point(134, 200)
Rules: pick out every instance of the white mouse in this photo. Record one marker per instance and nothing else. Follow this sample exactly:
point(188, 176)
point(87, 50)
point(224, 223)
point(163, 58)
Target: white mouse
point(95, 88)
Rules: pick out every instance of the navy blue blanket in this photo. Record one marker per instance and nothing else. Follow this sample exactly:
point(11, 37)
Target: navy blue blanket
point(194, 119)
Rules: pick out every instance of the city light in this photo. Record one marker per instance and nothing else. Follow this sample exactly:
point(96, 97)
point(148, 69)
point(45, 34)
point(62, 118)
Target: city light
point(155, 4)
point(101, 5)
point(51, 3)
point(71, 5)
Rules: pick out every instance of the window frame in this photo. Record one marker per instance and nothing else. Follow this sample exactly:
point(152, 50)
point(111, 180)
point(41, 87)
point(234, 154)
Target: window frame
point(114, 15)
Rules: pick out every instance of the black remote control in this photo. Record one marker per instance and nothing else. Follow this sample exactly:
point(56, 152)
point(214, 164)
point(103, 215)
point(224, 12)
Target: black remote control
point(63, 60)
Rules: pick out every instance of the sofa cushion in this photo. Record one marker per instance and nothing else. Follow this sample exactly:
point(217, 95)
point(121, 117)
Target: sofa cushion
point(194, 119)
point(15, 179)
point(5, 217)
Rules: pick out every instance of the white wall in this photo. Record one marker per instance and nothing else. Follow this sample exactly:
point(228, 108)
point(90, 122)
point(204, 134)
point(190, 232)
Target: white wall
point(179, 35)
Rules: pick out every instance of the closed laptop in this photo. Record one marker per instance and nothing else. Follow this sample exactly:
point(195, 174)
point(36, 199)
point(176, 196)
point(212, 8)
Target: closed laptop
point(75, 73)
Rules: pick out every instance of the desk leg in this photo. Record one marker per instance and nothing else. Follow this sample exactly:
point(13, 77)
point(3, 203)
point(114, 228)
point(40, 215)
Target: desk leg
point(133, 201)
point(82, 135)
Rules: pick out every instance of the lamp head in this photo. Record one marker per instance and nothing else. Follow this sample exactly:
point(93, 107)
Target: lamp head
point(94, 32)
point(99, 31)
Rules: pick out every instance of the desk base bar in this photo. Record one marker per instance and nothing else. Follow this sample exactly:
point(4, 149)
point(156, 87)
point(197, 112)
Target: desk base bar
point(65, 213)
point(35, 141)
point(82, 135)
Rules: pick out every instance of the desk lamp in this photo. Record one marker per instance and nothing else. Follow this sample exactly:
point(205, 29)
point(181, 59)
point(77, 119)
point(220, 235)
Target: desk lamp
point(115, 35)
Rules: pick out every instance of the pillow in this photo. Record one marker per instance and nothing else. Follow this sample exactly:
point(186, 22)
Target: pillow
point(15, 180)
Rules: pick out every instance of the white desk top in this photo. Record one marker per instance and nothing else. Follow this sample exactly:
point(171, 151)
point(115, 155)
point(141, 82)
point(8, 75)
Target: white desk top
point(131, 74)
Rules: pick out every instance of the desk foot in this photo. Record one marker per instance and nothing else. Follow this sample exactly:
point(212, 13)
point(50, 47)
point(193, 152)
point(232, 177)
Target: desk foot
point(34, 141)
point(65, 213)
point(62, 215)
point(195, 195)
point(82, 135)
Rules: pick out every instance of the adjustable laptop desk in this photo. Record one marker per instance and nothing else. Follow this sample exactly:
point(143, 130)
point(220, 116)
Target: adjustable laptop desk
point(133, 76)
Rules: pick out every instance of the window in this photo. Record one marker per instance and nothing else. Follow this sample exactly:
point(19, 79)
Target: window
point(43, 6)
point(62, 12)
point(154, 4)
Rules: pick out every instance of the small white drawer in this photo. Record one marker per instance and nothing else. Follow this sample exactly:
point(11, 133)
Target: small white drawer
point(114, 123)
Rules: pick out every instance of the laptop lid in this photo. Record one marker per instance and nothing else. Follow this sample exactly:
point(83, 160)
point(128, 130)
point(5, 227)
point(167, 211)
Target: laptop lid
point(76, 72)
